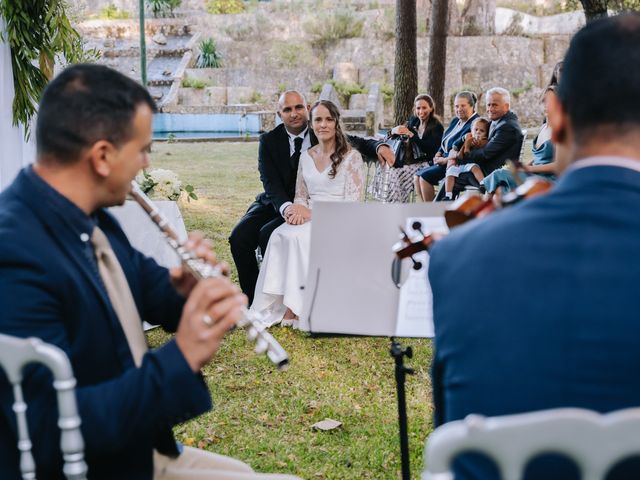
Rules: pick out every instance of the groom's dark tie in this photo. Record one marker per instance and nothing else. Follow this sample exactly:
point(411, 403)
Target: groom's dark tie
point(295, 158)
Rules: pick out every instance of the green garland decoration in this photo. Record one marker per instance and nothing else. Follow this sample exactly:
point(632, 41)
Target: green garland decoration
point(37, 31)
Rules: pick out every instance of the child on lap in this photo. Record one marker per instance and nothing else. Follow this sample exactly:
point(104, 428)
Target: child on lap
point(478, 138)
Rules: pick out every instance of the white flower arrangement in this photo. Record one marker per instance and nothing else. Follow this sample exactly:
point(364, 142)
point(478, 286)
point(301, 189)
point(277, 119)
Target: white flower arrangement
point(163, 184)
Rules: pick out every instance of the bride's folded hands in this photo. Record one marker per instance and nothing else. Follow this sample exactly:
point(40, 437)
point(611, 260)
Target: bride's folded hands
point(297, 214)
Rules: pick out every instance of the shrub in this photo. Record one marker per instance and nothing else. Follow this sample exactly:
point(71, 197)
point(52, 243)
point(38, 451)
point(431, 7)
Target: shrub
point(387, 92)
point(111, 12)
point(218, 7)
point(163, 8)
point(326, 29)
point(255, 97)
point(209, 57)
point(195, 83)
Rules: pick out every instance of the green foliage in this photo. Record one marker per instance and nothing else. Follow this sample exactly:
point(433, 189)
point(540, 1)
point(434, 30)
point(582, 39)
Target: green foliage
point(515, 29)
point(111, 12)
point(624, 5)
point(326, 29)
point(37, 32)
point(316, 87)
point(253, 28)
point(255, 97)
point(384, 26)
point(163, 8)
point(209, 57)
point(195, 83)
point(387, 92)
point(345, 90)
point(516, 92)
point(290, 55)
point(218, 7)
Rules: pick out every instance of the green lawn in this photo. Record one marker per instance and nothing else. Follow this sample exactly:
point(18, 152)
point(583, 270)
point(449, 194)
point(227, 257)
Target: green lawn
point(263, 416)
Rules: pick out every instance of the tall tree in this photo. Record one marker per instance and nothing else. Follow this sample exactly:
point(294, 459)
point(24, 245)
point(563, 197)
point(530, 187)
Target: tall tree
point(594, 9)
point(406, 65)
point(478, 17)
point(438, 52)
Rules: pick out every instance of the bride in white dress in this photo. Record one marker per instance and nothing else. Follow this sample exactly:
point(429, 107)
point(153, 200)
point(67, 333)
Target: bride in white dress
point(329, 171)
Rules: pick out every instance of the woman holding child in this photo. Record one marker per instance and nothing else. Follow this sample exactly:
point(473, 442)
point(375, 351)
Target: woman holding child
point(328, 171)
point(426, 178)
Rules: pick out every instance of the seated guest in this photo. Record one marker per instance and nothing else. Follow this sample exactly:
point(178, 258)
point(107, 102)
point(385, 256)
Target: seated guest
point(551, 320)
point(478, 138)
point(427, 177)
point(328, 171)
point(505, 139)
point(542, 165)
point(424, 129)
point(278, 156)
point(69, 276)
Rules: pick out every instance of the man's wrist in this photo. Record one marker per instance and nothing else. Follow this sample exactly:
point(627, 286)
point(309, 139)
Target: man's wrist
point(284, 207)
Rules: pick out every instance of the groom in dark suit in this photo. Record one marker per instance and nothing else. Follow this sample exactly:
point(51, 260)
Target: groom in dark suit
point(278, 157)
point(551, 316)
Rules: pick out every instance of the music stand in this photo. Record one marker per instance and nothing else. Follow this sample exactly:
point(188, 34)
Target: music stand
point(336, 297)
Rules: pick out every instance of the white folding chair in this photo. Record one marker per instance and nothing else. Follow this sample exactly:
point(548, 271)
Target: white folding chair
point(524, 132)
point(594, 441)
point(15, 354)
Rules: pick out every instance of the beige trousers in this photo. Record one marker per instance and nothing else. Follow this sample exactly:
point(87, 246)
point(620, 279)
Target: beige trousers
point(198, 464)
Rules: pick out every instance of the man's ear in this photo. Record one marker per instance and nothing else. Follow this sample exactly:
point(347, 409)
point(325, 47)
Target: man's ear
point(101, 156)
point(558, 120)
point(279, 115)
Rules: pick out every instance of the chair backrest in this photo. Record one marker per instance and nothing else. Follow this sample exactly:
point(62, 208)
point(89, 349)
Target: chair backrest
point(594, 441)
point(524, 132)
point(15, 353)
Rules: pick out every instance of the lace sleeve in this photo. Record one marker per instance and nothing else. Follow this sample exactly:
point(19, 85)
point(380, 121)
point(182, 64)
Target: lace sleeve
point(302, 192)
point(354, 177)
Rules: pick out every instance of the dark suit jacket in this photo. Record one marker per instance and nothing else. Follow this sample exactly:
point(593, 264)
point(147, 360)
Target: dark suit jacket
point(504, 144)
point(548, 317)
point(277, 173)
point(50, 288)
point(430, 142)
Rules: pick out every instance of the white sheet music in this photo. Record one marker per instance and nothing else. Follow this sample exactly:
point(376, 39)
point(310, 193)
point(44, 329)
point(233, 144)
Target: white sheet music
point(415, 305)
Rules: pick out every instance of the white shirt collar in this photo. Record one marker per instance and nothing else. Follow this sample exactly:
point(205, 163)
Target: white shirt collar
point(603, 161)
point(302, 134)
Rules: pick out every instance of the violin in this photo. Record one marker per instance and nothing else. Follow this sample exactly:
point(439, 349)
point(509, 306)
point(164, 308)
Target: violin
point(462, 210)
point(473, 206)
point(407, 248)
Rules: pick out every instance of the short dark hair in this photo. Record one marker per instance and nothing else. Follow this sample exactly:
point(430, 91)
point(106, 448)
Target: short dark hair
point(85, 104)
point(600, 82)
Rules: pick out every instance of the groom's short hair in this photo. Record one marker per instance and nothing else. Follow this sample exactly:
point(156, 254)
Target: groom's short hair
point(85, 104)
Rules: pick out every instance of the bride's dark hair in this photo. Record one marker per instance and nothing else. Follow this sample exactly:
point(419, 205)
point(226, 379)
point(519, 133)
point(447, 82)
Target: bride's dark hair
point(342, 143)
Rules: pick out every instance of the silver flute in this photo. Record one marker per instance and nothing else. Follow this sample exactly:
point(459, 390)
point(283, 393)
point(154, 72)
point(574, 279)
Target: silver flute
point(250, 321)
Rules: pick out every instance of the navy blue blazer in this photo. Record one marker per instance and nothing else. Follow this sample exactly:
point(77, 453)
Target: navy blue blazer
point(550, 318)
point(448, 139)
point(504, 144)
point(50, 288)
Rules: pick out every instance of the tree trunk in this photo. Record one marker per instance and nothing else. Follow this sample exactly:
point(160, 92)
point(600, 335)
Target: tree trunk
point(406, 65)
point(594, 9)
point(478, 17)
point(438, 52)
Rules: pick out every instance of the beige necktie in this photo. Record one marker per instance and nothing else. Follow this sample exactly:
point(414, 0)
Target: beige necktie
point(120, 295)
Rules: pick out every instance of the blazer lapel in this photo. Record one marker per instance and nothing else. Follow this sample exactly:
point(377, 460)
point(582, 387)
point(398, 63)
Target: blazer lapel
point(72, 247)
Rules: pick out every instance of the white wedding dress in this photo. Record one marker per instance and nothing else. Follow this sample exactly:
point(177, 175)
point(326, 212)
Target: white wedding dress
point(286, 262)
